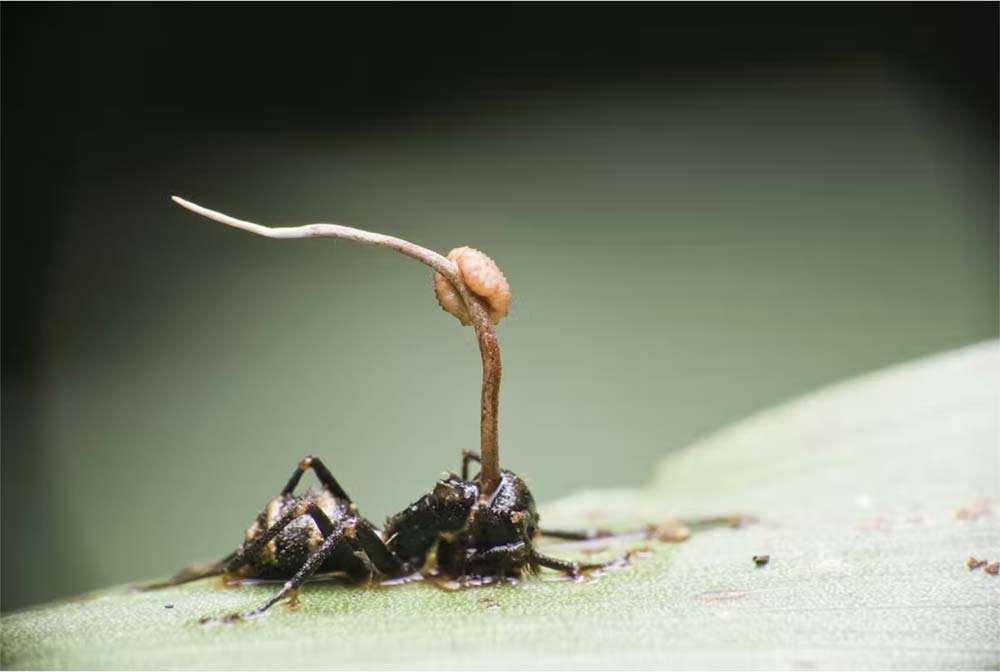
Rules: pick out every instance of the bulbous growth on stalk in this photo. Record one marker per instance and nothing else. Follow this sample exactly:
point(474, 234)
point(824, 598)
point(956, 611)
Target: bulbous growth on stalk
point(481, 275)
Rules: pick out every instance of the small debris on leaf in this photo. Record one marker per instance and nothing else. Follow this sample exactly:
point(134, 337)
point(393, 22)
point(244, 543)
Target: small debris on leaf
point(168, 606)
point(974, 563)
point(981, 507)
point(993, 568)
point(671, 531)
point(761, 560)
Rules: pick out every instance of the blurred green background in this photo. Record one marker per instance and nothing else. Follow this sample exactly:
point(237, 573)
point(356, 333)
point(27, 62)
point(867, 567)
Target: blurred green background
point(697, 221)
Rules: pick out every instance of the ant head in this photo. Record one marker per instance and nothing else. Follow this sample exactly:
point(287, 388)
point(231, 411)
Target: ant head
point(453, 499)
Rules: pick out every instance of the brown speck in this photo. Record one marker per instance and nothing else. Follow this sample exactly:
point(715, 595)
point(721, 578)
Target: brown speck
point(741, 520)
point(449, 585)
point(877, 524)
point(980, 507)
point(974, 563)
point(993, 568)
point(671, 531)
point(641, 552)
point(761, 560)
point(593, 550)
point(516, 517)
point(488, 603)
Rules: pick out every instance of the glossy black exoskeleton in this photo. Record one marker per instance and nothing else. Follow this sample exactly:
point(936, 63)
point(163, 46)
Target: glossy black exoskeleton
point(453, 530)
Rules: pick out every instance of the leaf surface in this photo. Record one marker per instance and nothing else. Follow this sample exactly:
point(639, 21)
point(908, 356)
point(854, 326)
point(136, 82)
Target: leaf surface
point(871, 496)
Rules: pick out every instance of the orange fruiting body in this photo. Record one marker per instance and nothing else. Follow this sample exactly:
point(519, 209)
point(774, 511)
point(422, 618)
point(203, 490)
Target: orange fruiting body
point(483, 278)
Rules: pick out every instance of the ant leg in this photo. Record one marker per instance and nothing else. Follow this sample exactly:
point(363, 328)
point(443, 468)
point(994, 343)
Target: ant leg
point(360, 537)
point(649, 531)
point(469, 456)
point(496, 557)
point(322, 473)
point(570, 568)
point(363, 537)
point(252, 548)
point(581, 535)
point(493, 561)
point(313, 563)
point(733, 520)
point(192, 572)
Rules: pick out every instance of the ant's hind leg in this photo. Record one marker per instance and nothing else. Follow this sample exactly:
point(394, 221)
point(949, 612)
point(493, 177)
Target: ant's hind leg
point(192, 572)
point(322, 473)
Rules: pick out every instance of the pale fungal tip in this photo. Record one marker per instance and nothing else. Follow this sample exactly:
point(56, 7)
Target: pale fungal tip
point(483, 278)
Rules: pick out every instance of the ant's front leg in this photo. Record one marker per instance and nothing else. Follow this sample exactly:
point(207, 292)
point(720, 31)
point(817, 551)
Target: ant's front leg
point(571, 568)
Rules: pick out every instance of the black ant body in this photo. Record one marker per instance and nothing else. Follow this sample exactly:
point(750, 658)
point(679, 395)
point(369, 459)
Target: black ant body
point(468, 535)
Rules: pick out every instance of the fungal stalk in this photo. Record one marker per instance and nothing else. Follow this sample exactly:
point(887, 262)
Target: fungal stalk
point(468, 284)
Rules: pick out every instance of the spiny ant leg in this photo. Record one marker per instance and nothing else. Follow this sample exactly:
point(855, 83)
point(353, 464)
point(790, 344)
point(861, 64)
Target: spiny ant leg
point(363, 537)
point(570, 568)
point(322, 473)
point(192, 572)
point(469, 456)
point(495, 553)
point(734, 520)
point(580, 535)
point(249, 551)
point(307, 570)
point(649, 530)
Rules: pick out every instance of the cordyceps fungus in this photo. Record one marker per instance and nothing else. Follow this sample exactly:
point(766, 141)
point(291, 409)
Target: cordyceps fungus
point(468, 284)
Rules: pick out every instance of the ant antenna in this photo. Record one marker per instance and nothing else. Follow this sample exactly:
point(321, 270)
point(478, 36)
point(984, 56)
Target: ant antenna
point(489, 476)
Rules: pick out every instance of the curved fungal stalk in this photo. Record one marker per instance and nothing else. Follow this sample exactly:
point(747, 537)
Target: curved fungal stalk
point(477, 311)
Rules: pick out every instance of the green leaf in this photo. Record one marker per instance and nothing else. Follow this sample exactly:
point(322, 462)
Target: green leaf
point(871, 496)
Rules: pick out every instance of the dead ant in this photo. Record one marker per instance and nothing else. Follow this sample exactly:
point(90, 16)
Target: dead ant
point(483, 528)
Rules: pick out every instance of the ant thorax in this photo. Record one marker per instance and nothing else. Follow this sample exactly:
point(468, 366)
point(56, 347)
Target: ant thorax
point(469, 534)
point(496, 539)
